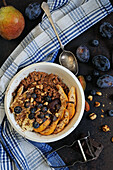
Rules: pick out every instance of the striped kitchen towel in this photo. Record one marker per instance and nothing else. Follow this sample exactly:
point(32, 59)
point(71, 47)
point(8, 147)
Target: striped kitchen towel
point(71, 18)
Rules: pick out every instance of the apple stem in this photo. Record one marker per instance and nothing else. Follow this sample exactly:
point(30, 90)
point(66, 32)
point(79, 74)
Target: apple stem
point(4, 2)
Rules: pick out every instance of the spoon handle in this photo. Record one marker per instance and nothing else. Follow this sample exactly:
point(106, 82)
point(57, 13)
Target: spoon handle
point(45, 7)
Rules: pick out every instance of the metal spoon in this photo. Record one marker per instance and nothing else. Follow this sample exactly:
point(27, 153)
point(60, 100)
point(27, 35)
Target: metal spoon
point(66, 58)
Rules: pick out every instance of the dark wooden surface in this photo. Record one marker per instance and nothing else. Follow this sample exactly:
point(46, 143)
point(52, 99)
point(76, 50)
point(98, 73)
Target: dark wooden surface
point(105, 160)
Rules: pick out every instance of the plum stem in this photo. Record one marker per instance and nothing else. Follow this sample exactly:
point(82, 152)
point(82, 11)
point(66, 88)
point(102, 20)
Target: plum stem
point(4, 2)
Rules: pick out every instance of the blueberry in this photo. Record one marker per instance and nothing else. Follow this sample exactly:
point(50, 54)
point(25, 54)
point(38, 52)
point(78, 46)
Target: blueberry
point(41, 115)
point(33, 10)
point(88, 78)
point(36, 125)
point(95, 43)
point(31, 116)
point(106, 30)
point(93, 92)
point(101, 62)
point(26, 104)
point(44, 109)
point(40, 105)
point(110, 112)
point(17, 109)
point(33, 95)
point(44, 120)
point(105, 81)
point(96, 73)
point(83, 53)
point(48, 99)
point(33, 110)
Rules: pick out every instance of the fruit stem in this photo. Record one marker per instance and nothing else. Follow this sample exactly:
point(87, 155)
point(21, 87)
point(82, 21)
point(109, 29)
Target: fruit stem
point(4, 2)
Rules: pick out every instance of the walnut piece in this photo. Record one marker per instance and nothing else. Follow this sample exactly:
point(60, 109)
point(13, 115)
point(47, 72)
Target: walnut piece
point(105, 128)
point(92, 116)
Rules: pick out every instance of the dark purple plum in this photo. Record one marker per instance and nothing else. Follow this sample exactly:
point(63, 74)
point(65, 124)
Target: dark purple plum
point(106, 30)
point(83, 53)
point(33, 11)
point(101, 62)
point(105, 81)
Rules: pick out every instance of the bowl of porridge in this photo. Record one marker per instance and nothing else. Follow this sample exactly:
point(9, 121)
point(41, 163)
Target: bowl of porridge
point(44, 102)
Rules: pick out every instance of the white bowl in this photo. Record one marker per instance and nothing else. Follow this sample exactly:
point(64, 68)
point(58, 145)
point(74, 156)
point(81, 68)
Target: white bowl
point(68, 78)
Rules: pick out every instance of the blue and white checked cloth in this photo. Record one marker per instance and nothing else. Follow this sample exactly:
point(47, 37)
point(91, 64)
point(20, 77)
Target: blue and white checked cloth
point(71, 17)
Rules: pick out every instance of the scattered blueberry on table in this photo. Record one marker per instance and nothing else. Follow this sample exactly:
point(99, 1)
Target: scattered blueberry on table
point(93, 92)
point(95, 43)
point(88, 78)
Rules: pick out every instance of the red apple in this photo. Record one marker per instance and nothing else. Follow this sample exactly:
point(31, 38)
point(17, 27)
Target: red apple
point(12, 22)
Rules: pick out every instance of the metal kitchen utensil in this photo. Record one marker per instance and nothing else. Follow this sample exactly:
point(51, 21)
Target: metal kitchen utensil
point(66, 58)
point(89, 148)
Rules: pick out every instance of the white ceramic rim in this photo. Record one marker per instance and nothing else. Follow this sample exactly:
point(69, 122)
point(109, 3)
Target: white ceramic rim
point(57, 137)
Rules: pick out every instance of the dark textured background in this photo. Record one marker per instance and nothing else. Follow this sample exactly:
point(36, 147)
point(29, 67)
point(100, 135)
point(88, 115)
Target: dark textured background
point(105, 160)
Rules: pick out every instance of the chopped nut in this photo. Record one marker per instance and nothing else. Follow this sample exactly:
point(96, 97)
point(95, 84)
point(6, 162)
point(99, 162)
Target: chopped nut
point(49, 111)
point(34, 83)
point(34, 103)
point(105, 128)
point(90, 97)
point(39, 86)
point(92, 116)
point(99, 93)
point(39, 120)
point(32, 100)
point(97, 104)
point(46, 103)
point(42, 94)
point(26, 100)
point(21, 102)
point(56, 114)
point(102, 110)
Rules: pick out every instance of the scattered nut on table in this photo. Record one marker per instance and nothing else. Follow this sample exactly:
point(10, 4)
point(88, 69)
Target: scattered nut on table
point(97, 104)
point(105, 128)
point(99, 93)
point(90, 97)
point(92, 116)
